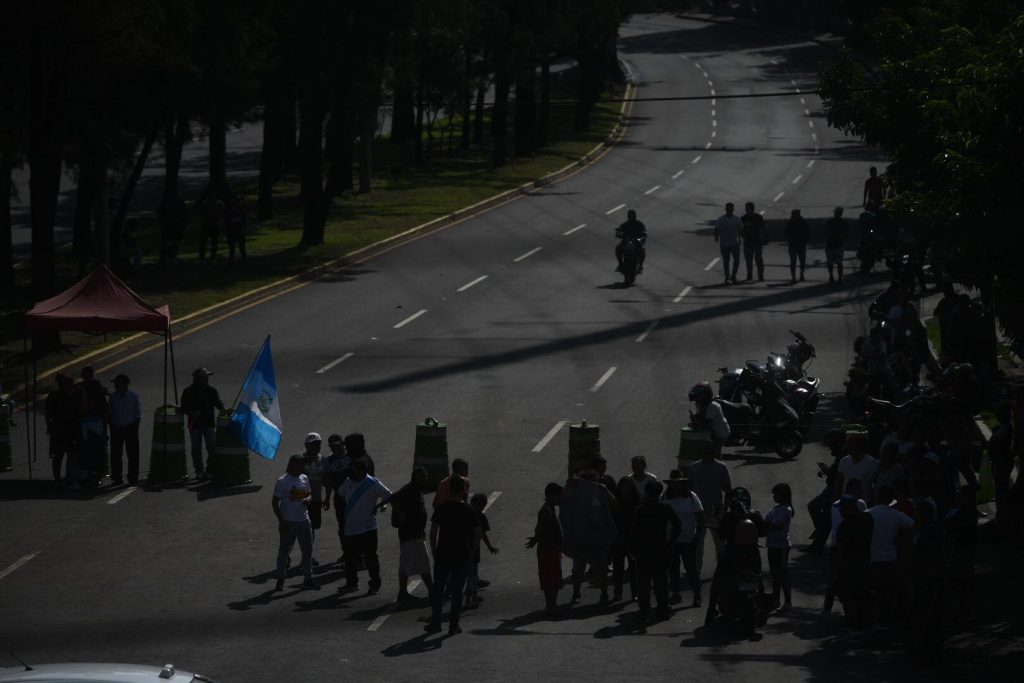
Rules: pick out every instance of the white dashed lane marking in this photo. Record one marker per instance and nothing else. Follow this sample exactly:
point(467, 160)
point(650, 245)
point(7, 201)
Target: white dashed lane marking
point(712, 264)
point(677, 174)
point(645, 333)
point(604, 378)
point(335, 362)
point(707, 146)
point(410, 318)
point(696, 159)
point(798, 178)
point(778, 196)
point(491, 499)
point(572, 230)
point(810, 163)
point(469, 284)
point(547, 437)
point(390, 609)
point(653, 189)
point(614, 209)
point(17, 563)
point(523, 257)
point(121, 496)
point(679, 297)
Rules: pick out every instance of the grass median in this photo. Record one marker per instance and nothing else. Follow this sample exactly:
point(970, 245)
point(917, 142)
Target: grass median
point(402, 197)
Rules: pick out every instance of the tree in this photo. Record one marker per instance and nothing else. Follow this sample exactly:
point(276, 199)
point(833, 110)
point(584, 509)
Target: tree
point(944, 104)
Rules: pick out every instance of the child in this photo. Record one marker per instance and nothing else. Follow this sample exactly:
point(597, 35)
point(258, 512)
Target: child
point(547, 537)
point(478, 502)
point(777, 541)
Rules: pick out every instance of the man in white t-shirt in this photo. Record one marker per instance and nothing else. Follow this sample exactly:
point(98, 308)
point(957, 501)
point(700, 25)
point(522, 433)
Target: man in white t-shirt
point(891, 528)
point(690, 512)
point(290, 504)
point(856, 464)
point(640, 476)
point(361, 495)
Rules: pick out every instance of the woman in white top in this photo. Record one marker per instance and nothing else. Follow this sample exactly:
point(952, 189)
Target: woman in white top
point(777, 541)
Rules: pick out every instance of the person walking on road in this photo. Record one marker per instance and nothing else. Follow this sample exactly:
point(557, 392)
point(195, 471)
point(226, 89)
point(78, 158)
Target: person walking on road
point(655, 531)
point(361, 495)
point(290, 504)
point(754, 238)
point(454, 537)
point(314, 466)
point(727, 233)
point(836, 230)
point(798, 233)
point(710, 480)
point(198, 401)
point(409, 516)
point(62, 413)
point(547, 539)
point(687, 506)
point(124, 413)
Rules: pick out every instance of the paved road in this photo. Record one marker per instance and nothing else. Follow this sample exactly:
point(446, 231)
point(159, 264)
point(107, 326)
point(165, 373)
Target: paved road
point(502, 326)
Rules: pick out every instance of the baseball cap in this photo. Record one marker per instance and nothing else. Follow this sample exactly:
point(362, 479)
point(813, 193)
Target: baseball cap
point(201, 372)
point(312, 437)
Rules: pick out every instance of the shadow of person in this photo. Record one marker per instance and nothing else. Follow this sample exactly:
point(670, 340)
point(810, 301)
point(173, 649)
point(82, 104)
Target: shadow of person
point(264, 598)
point(628, 623)
point(414, 646)
point(516, 625)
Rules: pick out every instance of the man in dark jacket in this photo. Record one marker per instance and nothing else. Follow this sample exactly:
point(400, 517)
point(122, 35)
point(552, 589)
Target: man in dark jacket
point(798, 233)
point(655, 530)
point(754, 239)
point(198, 401)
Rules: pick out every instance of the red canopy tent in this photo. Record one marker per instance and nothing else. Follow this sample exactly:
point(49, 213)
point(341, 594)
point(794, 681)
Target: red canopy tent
point(99, 302)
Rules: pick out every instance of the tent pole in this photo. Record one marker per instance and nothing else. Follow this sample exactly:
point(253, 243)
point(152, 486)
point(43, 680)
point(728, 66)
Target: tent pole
point(165, 368)
point(174, 371)
point(35, 415)
point(28, 423)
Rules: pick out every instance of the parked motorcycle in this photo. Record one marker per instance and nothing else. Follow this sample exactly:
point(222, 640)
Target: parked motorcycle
point(773, 424)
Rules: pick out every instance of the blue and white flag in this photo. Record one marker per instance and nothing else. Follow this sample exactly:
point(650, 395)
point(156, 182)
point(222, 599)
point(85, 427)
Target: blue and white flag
point(258, 412)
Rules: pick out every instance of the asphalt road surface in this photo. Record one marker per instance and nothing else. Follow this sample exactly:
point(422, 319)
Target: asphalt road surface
point(503, 327)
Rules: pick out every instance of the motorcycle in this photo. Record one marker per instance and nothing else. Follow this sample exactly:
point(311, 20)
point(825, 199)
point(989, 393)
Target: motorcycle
point(774, 423)
point(632, 248)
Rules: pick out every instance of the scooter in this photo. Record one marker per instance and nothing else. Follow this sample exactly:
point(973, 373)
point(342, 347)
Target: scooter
point(774, 424)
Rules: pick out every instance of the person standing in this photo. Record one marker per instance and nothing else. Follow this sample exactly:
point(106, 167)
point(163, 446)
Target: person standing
point(874, 189)
point(478, 501)
point(547, 539)
point(798, 233)
point(454, 537)
point(355, 446)
point(709, 416)
point(198, 401)
point(290, 504)
point(639, 475)
point(626, 502)
point(850, 562)
point(124, 414)
point(409, 516)
point(214, 214)
point(710, 480)
point(339, 465)
point(856, 464)
point(655, 530)
point(445, 492)
point(754, 238)
point(93, 398)
point(727, 234)
point(600, 465)
point(687, 506)
point(361, 495)
point(62, 413)
point(314, 466)
point(890, 528)
point(777, 541)
point(836, 230)
point(589, 528)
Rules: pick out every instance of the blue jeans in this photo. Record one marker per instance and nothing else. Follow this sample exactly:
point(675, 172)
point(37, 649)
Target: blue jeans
point(448, 576)
point(290, 532)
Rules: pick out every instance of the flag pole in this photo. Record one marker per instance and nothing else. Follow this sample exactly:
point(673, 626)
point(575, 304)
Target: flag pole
point(259, 353)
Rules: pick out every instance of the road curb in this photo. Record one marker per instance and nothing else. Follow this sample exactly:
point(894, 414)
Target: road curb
point(267, 291)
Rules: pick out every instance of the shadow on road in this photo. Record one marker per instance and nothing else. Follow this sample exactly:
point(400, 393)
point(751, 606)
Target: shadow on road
point(415, 646)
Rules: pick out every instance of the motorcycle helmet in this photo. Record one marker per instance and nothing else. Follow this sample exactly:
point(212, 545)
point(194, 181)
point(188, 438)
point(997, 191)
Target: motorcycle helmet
point(701, 393)
point(745, 533)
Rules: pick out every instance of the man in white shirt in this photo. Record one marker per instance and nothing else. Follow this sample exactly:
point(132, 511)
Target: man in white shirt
point(856, 464)
point(891, 526)
point(690, 512)
point(124, 415)
point(640, 476)
point(290, 501)
point(727, 233)
point(361, 495)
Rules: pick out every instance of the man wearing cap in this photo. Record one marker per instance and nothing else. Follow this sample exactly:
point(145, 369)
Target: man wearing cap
point(124, 414)
point(198, 401)
point(290, 503)
point(314, 466)
point(690, 512)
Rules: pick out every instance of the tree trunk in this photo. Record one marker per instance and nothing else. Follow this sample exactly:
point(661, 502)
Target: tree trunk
point(544, 114)
point(499, 118)
point(175, 133)
point(85, 195)
point(311, 112)
point(339, 151)
point(417, 148)
point(289, 126)
point(271, 156)
point(368, 129)
point(218, 182)
point(117, 226)
point(478, 116)
point(525, 139)
point(467, 101)
point(6, 227)
point(101, 213)
point(403, 116)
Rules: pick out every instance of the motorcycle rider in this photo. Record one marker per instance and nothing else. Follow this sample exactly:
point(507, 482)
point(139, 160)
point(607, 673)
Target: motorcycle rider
point(632, 228)
point(742, 556)
point(709, 415)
